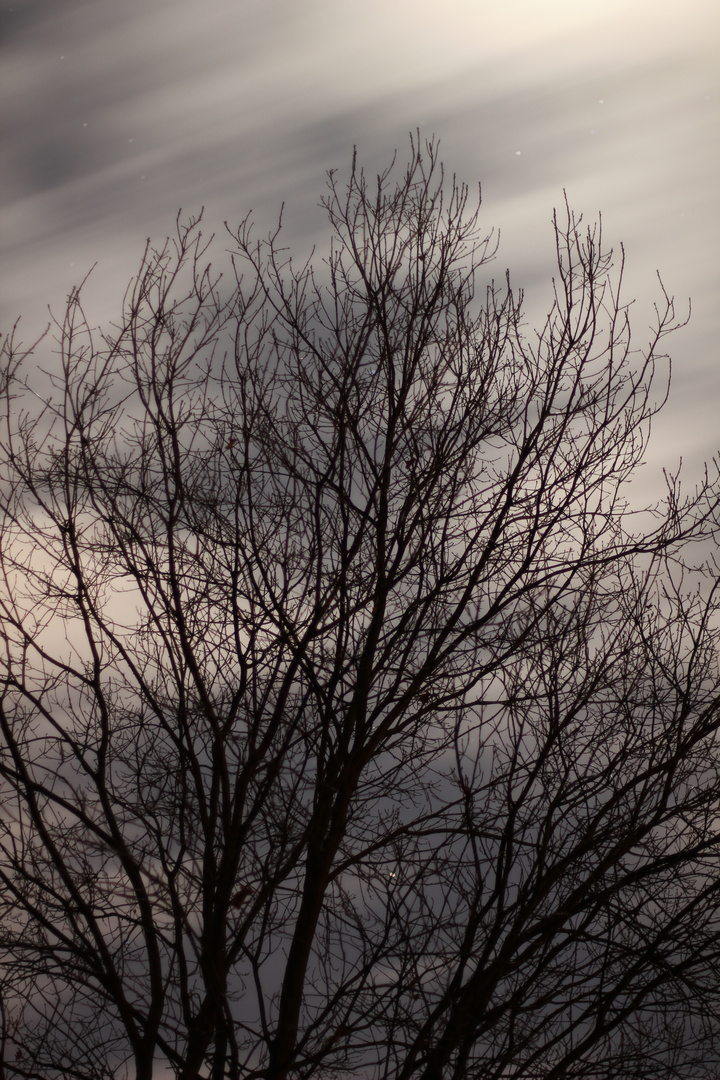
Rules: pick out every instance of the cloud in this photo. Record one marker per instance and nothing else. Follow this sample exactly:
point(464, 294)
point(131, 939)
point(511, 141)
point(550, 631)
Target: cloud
point(116, 115)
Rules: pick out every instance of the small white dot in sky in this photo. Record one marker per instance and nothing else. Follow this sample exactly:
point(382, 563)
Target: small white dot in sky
point(518, 153)
point(85, 124)
point(62, 57)
point(592, 131)
point(601, 101)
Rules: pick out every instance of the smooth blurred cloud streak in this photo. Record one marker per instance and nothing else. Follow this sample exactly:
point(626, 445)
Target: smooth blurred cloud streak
point(118, 114)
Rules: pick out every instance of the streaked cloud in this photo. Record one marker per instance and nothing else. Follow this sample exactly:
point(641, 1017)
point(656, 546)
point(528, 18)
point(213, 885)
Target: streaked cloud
point(117, 114)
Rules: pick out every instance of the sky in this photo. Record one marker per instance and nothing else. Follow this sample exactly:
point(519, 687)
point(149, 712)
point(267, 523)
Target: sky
point(116, 113)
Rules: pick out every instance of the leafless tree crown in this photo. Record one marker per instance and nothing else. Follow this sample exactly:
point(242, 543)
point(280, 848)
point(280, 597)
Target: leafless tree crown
point(351, 725)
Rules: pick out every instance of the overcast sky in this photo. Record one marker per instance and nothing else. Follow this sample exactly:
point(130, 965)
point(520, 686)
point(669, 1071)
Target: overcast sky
point(118, 112)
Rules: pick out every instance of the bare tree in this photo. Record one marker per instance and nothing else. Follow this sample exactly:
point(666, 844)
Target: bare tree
point(352, 725)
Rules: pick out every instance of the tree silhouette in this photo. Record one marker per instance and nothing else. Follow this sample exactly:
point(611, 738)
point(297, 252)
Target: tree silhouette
point(352, 723)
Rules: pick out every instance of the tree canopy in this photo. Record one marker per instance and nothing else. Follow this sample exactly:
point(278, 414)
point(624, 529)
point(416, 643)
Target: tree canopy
point(352, 724)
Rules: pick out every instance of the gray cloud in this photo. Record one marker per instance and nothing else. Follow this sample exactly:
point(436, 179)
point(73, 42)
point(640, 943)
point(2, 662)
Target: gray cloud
point(117, 114)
